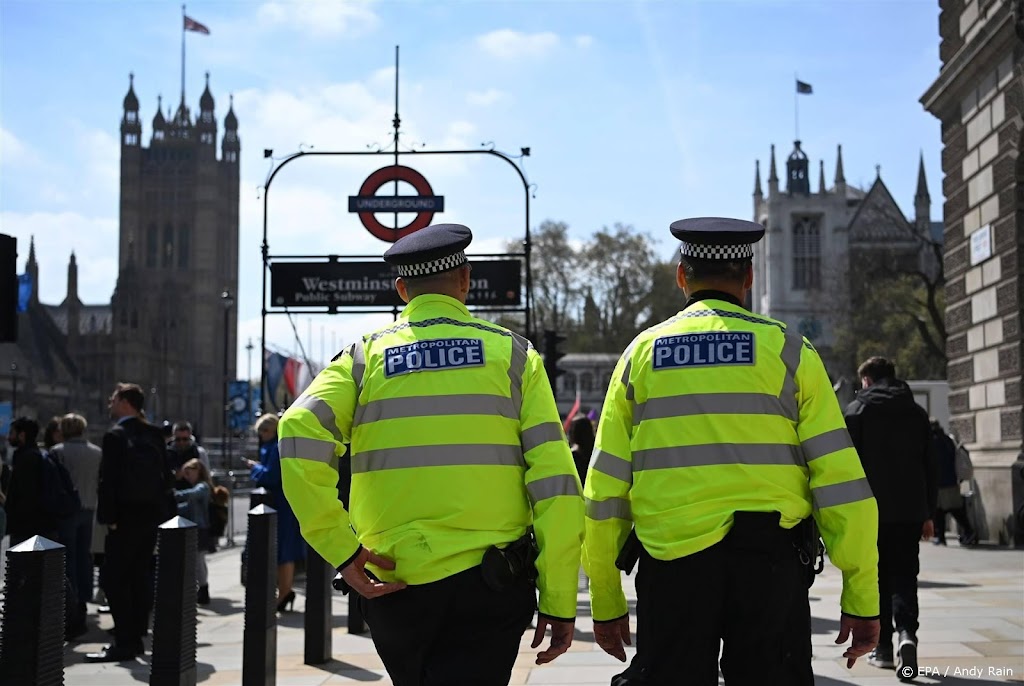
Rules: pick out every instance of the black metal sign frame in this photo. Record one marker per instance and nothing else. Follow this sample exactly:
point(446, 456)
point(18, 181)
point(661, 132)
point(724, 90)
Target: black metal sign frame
point(268, 259)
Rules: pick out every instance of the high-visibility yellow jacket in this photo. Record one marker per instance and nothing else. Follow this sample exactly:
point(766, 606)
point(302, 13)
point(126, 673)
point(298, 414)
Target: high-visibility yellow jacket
point(456, 445)
point(716, 411)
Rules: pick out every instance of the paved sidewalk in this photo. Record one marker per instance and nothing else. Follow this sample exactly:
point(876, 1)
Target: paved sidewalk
point(972, 616)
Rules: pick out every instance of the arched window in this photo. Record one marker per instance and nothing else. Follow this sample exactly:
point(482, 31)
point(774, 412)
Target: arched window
point(569, 382)
point(586, 382)
point(168, 251)
point(184, 241)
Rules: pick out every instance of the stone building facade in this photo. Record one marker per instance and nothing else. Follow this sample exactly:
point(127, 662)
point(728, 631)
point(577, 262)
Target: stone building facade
point(979, 98)
point(801, 267)
point(177, 254)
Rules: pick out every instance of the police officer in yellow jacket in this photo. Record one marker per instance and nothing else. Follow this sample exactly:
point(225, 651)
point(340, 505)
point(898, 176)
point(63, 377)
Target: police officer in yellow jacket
point(720, 433)
point(457, 454)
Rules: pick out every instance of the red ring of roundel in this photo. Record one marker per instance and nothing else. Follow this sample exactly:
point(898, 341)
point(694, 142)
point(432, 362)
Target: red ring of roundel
point(372, 184)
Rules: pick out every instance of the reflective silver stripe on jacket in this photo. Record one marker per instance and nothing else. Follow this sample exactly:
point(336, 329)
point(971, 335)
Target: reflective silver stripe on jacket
point(717, 454)
point(298, 447)
point(437, 456)
point(613, 508)
point(612, 466)
point(540, 434)
point(323, 412)
point(841, 493)
point(516, 370)
point(434, 406)
point(630, 392)
point(708, 403)
point(826, 444)
point(552, 486)
point(790, 355)
point(358, 364)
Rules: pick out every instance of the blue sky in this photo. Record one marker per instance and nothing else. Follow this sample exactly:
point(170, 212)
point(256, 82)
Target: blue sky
point(635, 112)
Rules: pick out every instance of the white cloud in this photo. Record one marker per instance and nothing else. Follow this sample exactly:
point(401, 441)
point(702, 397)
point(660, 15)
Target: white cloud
point(583, 41)
point(56, 235)
point(320, 18)
point(509, 44)
point(485, 98)
point(15, 152)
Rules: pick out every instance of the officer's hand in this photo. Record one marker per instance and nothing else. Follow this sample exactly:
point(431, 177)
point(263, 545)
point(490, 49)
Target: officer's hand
point(928, 530)
point(561, 638)
point(611, 636)
point(865, 636)
point(355, 575)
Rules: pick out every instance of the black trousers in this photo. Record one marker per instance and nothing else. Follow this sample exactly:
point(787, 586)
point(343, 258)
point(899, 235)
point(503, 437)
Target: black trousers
point(898, 567)
point(740, 592)
point(451, 632)
point(963, 524)
point(128, 582)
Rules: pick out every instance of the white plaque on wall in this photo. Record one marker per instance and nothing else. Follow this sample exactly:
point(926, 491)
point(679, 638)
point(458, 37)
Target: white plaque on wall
point(981, 244)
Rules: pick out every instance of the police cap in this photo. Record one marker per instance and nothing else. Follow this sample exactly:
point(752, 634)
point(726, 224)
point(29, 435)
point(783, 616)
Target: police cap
point(431, 250)
point(717, 238)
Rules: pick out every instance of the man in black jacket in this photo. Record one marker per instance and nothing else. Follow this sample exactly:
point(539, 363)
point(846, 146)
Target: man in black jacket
point(893, 438)
point(26, 512)
point(134, 499)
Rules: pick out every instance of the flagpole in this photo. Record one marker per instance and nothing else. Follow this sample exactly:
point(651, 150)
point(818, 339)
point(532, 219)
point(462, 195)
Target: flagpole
point(796, 107)
point(183, 54)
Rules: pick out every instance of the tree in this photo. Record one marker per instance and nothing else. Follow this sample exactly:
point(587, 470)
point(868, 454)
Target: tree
point(618, 272)
point(897, 306)
point(555, 267)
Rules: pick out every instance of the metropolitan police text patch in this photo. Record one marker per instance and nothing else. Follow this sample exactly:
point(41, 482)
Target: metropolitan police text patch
point(709, 349)
point(433, 356)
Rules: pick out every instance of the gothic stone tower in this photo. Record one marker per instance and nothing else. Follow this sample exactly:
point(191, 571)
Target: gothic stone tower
point(178, 252)
point(801, 268)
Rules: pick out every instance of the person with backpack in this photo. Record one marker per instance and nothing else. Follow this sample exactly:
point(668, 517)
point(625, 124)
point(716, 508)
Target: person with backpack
point(27, 514)
point(954, 469)
point(134, 497)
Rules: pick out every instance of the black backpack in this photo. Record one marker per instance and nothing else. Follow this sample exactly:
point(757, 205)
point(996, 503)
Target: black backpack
point(60, 497)
point(145, 477)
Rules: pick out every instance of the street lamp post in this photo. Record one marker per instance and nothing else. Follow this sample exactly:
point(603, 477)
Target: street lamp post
point(228, 302)
point(248, 381)
point(14, 390)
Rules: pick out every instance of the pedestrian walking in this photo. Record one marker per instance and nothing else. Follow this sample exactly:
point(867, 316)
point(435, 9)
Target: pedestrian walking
point(266, 473)
point(464, 501)
point(134, 497)
point(720, 436)
point(193, 500)
point(82, 460)
point(953, 480)
point(892, 435)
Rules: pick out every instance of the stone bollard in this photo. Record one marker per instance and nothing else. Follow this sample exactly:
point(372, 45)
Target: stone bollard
point(32, 633)
point(258, 496)
point(318, 608)
point(174, 608)
point(259, 640)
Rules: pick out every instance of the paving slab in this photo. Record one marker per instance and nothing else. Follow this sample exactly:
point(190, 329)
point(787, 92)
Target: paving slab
point(972, 617)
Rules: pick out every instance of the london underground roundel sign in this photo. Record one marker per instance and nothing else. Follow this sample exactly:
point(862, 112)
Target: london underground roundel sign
point(424, 204)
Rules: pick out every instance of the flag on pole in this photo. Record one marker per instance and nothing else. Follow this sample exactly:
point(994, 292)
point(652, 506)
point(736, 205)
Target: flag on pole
point(804, 88)
point(572, 413)
point(193, 25)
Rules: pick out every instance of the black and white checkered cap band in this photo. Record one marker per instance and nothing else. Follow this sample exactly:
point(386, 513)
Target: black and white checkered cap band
point(716, 252)
point(434, 266)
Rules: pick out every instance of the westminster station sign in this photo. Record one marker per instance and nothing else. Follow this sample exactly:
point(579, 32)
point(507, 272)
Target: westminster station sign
point(493, 283)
